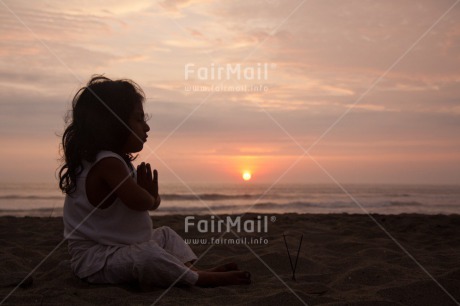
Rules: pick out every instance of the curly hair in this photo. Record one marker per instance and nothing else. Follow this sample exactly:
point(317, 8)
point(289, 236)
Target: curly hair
point(97, 121)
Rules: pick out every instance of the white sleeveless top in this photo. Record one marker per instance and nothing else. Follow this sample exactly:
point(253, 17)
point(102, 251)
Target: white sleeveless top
point(95, 233)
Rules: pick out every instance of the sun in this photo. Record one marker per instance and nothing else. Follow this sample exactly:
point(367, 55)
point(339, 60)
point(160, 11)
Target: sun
point(247, 175)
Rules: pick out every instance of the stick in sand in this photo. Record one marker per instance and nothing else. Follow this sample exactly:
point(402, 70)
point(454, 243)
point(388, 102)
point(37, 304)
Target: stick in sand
point(293, 267)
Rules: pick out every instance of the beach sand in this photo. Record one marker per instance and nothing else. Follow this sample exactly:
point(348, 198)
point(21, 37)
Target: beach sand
point(344, 260)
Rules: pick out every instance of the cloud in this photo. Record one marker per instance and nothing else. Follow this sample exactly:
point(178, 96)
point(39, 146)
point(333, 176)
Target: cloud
point(327, 55)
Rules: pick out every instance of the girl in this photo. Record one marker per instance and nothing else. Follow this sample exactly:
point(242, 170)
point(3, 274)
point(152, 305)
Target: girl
point(106, 219)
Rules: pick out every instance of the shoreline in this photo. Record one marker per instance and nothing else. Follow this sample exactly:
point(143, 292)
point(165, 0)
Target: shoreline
point(232, 199)
point(39, 214)
point(344, 258)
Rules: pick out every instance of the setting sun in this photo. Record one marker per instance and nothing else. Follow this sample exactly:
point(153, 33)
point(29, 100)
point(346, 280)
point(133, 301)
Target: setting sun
point(247, 176)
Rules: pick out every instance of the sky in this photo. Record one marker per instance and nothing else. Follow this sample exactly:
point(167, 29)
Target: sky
point(346, 91)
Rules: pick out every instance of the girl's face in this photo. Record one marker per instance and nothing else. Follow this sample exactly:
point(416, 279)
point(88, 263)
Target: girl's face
point(139, 127)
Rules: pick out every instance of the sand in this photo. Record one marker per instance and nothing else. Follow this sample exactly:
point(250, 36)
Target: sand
point(344, 260)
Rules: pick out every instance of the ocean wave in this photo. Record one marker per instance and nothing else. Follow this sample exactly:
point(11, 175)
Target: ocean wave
point(41, 209)
point(209, 197)
point(209, 209)
point(293, 206)
point(271, 205)
point(30, 197)
point(36, 212)
point(396, 203)
point(172, 197)
point(223, 196)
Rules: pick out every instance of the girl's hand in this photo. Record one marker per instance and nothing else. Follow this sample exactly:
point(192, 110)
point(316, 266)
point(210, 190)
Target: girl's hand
point(145, 180)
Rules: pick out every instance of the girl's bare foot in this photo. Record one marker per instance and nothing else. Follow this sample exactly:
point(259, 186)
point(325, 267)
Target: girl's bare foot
point(230, 266)
point(214, 279)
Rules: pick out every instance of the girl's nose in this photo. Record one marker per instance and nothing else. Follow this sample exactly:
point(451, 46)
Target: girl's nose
point(147, 127)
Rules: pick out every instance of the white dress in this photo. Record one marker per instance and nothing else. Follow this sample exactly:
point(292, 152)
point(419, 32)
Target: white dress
point(118, 244)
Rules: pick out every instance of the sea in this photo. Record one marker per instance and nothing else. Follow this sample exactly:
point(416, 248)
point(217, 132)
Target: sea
point(46, 200)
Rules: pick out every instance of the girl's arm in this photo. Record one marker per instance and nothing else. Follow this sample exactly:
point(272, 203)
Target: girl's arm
point(140, 195)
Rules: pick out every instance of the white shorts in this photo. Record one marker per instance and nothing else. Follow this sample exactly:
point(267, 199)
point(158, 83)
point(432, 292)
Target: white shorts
point(155, 263)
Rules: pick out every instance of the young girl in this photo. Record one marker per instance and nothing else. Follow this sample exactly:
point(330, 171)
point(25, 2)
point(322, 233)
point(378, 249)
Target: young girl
point(106, 219)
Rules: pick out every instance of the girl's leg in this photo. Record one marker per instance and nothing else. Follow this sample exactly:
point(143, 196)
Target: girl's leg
point(152, 266)
point(214, 279)
point(224, 275)
point(231, 266)
point(146, 263)
point(172, 243)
